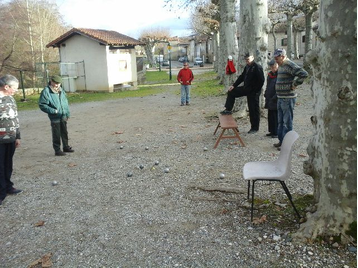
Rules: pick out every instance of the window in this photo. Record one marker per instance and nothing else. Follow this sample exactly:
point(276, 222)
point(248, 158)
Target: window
point(284, 42)
point(303, 39)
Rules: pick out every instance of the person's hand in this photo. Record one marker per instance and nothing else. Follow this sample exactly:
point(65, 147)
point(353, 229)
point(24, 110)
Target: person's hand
point(231, 88)
point(17, 143)
point(293, 87)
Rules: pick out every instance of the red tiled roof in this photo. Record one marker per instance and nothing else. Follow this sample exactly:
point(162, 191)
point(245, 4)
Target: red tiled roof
point(103, 36)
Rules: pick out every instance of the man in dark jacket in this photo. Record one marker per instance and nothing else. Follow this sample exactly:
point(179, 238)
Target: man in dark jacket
point(271, 99)
point(53, 101)
point(253, 78)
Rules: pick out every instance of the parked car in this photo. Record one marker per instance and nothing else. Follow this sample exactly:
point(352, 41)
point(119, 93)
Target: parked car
point(183, 59)
point(199, 61)
point(165, 63)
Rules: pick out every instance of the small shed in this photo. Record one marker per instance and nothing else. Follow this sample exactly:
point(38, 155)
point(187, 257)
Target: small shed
point(109, 58)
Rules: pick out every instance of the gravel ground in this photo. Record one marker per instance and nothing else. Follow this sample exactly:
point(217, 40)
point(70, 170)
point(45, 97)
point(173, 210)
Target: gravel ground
point(105, 211)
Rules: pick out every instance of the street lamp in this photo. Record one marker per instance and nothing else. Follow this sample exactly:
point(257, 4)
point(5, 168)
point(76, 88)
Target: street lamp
point(170, 61)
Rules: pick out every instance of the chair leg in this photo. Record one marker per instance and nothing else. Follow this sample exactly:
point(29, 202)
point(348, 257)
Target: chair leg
point(252, 200)
point(248, 189)
point(289, 197)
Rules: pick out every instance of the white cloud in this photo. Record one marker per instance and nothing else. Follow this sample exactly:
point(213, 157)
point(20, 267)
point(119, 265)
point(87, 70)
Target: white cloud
point(126, 17)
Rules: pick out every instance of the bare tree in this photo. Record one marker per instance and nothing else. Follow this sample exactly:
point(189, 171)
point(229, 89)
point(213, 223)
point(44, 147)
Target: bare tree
point(333, 148)
point(254, 29)
point(29, 24)
point(308, 7)
point(290, 9)
point(151, 38)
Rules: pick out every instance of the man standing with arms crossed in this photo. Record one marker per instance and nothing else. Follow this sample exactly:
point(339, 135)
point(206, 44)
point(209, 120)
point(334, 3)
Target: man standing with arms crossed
point(289, 76)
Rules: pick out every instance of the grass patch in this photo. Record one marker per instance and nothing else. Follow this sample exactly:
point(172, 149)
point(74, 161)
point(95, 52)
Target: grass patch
point(207, 85)
point(156, 82)
point(283, 217)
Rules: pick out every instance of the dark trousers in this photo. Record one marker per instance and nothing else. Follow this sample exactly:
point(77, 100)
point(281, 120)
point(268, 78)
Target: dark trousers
point(253, 102)
point(272, 122)
point(59, 132)
point(7, 151)
point(232, 95)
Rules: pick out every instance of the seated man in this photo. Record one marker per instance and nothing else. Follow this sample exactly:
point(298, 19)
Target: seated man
point(253, 78)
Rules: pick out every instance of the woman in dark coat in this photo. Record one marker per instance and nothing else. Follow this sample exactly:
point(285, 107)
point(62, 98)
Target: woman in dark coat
point(271, 99)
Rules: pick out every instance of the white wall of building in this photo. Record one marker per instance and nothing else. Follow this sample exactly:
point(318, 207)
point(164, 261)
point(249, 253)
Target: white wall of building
point(104, 68)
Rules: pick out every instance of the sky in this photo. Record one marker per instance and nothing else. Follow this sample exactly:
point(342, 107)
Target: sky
point(129, 17)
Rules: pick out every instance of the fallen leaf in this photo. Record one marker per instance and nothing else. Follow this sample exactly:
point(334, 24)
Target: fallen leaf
point(72, 164)
point(40, 223)
point(120, 141)
point(302, 155)
point(44, 261)
point(119, 132)
point(257, 221)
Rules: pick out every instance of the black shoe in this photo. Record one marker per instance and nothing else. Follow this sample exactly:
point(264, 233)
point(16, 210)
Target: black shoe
point(14, 191)
point(274, 136)
point(1, 201)
point(59, 153)
point(252, 131)
point(277, 145)
point(187, 103)
point(225, 112)
point(268, 135)
point(68, 149)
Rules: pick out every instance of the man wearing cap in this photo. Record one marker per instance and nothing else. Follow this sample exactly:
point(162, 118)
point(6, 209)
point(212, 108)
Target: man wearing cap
point(253, 78)
point(53, 101)
point(289, 76)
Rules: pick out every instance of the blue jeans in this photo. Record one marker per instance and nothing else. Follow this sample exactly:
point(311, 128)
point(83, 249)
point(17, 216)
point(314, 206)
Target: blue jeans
point(185, 94)
point(285, 109)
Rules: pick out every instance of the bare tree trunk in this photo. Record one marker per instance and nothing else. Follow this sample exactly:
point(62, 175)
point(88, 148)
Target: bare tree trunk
point(254, 29)
point(289, 34)
point(333, 149)
point(228, 39)
point(216, 52)
point(31, 42)
point(308, 37)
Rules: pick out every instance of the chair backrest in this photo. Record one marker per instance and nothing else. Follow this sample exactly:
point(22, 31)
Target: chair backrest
point(285, 157)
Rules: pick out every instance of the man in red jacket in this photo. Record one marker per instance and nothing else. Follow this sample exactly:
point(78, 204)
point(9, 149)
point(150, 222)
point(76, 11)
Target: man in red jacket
point(185, 76)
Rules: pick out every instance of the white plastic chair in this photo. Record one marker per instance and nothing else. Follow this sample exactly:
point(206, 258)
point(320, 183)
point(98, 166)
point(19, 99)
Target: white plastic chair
point(278, 170)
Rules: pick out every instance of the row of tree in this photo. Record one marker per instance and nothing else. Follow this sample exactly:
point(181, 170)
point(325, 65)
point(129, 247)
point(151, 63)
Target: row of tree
point(26, 27)
point(333, 148)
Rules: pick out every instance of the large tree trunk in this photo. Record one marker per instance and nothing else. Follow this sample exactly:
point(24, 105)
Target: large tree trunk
point(289, 34)
point(228, 39)
point(254, 29)
point(308, 37)
point(333, 149)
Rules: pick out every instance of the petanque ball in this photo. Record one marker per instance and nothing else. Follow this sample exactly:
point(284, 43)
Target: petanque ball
point(166, 170)
point(54, 183)
point(222, 175)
